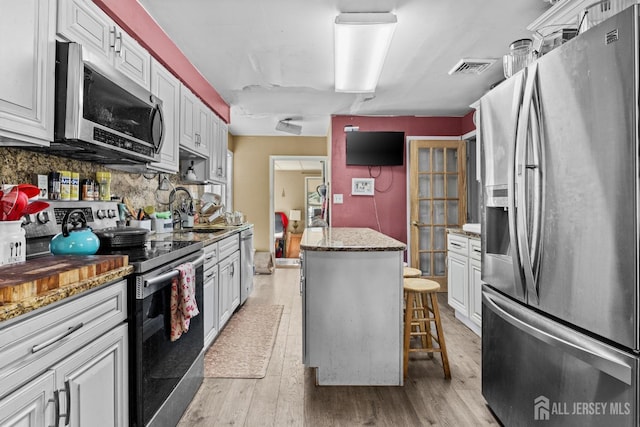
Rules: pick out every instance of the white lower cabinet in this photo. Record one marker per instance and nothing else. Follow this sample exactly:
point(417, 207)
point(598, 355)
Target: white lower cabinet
point(92, 384)
point(229, 287)
point(221, 285)
point(31, 405)
point(464, 279)
point(67, 365)
point(211, 291)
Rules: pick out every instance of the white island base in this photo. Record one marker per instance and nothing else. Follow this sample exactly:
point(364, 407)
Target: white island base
point(352, 313)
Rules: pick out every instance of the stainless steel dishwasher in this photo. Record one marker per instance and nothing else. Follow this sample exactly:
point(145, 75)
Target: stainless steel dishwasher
point(246, 263)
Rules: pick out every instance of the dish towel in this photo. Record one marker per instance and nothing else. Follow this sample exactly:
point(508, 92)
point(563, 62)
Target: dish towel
point(183, 300)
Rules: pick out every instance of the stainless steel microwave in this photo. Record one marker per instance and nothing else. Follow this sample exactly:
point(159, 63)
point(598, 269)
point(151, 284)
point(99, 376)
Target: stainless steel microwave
point(101, 115)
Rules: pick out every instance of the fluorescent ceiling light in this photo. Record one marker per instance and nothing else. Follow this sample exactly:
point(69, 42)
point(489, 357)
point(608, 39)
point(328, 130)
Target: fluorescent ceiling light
point(286, 126)
point(361, 43)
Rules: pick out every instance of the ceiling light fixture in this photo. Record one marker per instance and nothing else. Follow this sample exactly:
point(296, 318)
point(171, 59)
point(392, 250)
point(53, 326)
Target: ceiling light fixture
point(285, 126)
point(361, 43)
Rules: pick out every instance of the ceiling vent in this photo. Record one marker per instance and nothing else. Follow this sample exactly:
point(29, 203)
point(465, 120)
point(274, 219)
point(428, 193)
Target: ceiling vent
point(471, 66)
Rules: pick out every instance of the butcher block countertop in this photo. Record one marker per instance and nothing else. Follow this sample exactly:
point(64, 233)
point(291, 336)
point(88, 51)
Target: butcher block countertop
point(36, 283)
point(348, 239)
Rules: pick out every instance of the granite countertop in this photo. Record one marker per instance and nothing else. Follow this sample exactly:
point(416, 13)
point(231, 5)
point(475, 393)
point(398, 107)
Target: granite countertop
point(206, 237)
point(463, 232)
point(14, 309)
point(348, 239)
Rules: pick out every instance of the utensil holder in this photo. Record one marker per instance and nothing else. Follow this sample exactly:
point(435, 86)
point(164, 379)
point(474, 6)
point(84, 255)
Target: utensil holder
point(13, 247)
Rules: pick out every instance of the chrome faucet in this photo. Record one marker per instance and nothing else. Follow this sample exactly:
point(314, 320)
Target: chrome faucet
point(173, 211)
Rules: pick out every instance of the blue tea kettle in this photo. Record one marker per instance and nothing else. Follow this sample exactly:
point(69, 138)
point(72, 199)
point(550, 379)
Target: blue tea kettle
point(73, 240)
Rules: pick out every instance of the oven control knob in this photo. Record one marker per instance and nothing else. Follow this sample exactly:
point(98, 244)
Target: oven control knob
point(43, 217)
point(111, 213)
point(101, 214)
point(26, 219)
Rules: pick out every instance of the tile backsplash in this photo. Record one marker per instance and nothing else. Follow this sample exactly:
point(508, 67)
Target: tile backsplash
point(21, 166)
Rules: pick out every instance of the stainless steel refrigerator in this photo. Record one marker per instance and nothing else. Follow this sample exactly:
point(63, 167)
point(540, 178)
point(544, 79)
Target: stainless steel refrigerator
point(560, 330)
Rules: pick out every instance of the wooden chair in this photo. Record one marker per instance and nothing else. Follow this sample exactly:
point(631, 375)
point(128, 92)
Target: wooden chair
point(421, 310)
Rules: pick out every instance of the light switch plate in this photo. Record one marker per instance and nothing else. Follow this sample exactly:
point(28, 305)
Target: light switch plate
point(337, 199)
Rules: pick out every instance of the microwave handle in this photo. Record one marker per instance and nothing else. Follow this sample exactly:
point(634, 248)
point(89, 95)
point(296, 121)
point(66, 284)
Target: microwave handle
point(157, 109)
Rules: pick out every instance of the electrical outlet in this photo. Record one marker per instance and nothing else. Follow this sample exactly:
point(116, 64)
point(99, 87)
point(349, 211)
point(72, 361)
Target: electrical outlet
point(337, 199)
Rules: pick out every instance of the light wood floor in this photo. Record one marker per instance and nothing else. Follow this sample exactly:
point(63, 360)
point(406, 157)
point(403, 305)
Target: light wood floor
point(287, 395)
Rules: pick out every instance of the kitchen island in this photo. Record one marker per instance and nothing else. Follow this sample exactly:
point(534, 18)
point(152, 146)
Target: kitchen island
point(351, 286)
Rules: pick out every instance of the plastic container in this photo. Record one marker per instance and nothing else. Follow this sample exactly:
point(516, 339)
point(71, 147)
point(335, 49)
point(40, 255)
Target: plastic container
point(599, 11)
point(75, 186)
point(54, 185)
point(520, 55)
point(65, 185)
point(13, 245)
point(104, 184)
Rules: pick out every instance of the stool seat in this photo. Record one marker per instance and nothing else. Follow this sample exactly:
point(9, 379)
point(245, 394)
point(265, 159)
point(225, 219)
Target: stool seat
point(414, 284)
point(411, 272)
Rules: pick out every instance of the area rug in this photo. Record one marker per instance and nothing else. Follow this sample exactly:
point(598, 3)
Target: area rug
point(244, 347)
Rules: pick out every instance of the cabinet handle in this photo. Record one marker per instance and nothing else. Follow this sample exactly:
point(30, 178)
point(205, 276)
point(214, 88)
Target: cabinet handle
point(67, 414)
point(233, 269)
point(36, 348)
point(455, 245)
point(117, 41)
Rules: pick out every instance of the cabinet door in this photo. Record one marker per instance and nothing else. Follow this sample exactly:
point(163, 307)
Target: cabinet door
point(210, 305)
point(27, 85)
point(223, 137)
point(83, 22)
point(94, 382)
point(202, 129)
point(214, 148)
point(458, 277)
point(235, 281)
point(166, 86)
point(475, 288)
point(31, 405)
point(188, 112)
point(224, 295)
point(130, 58)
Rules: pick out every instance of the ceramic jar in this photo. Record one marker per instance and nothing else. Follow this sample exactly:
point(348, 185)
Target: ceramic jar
point(13, 244)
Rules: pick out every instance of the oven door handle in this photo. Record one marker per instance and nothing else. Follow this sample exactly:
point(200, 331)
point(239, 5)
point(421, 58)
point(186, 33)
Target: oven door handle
point(172, 273)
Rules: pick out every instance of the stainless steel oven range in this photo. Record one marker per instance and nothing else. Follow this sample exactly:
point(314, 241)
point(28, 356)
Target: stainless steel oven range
point(164, 375)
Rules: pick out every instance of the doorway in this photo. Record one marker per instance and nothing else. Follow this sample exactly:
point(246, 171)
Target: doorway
point(437, 190)
point(293, 202)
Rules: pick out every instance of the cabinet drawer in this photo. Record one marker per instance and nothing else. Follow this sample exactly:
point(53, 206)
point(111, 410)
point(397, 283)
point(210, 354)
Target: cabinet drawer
point(458, 244)
point(475, 249)
point(211, 256)
point(31, 345)
point(228, 246)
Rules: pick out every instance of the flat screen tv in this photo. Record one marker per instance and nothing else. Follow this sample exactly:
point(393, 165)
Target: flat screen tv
point(375, 148)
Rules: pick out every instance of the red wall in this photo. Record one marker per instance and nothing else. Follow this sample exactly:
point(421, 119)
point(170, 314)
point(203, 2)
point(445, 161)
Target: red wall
point(391, 187)
point(131, 16)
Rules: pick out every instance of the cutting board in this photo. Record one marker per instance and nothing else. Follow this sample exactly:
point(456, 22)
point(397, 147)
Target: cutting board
point(38, 276)
point(215, 227)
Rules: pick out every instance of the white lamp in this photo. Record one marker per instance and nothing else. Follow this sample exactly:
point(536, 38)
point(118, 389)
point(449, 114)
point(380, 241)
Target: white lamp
point(361, 43)
point(294, 215)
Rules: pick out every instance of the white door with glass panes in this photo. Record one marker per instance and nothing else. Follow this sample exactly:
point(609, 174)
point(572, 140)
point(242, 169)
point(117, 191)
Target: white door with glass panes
point(437, 191)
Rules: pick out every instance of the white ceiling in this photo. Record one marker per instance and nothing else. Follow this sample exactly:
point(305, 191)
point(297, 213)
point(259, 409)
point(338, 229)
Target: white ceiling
point(272, 59)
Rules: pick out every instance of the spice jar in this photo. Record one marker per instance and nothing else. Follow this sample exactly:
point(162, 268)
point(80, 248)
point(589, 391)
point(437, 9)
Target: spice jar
point(54, 185)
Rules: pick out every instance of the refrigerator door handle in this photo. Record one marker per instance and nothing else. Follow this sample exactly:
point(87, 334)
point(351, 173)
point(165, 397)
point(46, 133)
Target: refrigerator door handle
point(589, 351)
point(512, 201)
point(538, 171)
point(522, 212)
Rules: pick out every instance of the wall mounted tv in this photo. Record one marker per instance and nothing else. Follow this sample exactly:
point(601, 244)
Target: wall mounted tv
point(375, 148)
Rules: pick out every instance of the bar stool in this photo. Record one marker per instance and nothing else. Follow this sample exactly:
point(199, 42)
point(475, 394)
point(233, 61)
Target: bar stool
point(422, 315)
point(411, 272)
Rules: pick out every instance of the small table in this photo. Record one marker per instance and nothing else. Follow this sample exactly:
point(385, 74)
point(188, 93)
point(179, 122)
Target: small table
point(293, 245)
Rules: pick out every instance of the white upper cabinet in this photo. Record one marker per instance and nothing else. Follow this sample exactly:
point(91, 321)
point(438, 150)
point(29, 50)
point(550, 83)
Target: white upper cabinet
point(166, 86)
point(27, 28)
point(83, 22)
point(194, 123)
point(218, 153)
